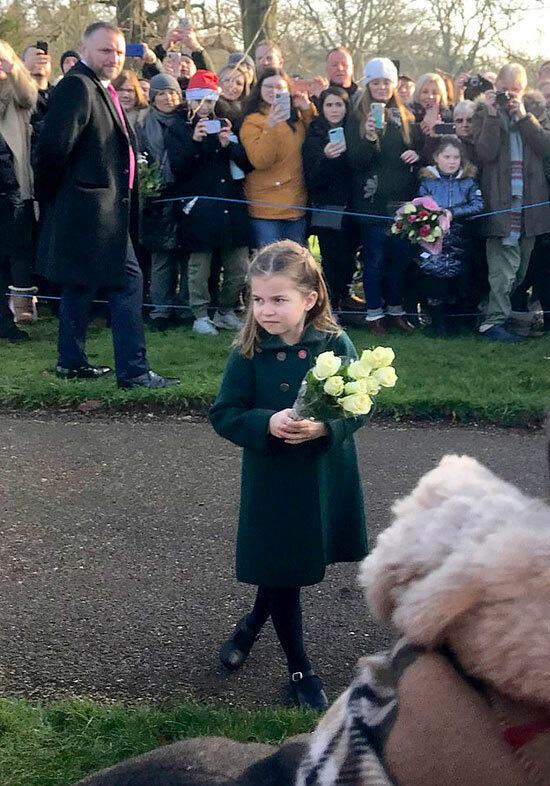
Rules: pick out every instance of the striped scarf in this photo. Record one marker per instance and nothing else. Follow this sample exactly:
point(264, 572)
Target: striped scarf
point(516, 182)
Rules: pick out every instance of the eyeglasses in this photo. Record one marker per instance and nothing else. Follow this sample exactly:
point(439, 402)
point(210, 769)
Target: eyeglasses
point(129, 90)
point(463, 119)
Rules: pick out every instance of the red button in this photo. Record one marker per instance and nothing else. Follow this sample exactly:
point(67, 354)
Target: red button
point(302, 354)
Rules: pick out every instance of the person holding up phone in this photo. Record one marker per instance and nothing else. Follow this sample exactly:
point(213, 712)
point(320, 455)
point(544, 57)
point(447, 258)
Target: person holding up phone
point(383, 152)
point(272, 133)
point(200, 151)
point(328, 180)
point(180, 39)
point(511, 145)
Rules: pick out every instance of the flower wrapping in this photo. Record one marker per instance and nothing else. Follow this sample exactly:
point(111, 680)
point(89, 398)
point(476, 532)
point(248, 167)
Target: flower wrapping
point(422, 221)
point(339, 386)
point(149, 178)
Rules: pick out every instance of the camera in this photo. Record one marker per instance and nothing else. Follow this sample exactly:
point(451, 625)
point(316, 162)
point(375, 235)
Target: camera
point(476, 85)
point(503, 98)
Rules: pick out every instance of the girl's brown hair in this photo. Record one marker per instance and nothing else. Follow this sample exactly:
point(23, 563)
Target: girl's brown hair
point(364, 110)
point(130, 76)
point(287, 258)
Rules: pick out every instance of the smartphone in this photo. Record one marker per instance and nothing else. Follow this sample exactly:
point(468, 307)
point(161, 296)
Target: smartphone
point(337, 135)
point(377, 109)
point(283, 99)
point(43, 46)
point(173, 55)
point(213, 126)
point(184, 22)
point(135, 50)
point(445, 128)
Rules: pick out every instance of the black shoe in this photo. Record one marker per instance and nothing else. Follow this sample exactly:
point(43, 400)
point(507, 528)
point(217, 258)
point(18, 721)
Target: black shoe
point(160, 323)
point(307, 690)
point(236, 650)
point(84, 372)
point(10, 332)
point(148, 380)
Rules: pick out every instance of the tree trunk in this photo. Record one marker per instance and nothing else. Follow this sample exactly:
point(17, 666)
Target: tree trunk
point(129, 16)
point(254, 19)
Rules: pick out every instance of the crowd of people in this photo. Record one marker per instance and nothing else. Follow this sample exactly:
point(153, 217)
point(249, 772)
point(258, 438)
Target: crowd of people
point(253, 155)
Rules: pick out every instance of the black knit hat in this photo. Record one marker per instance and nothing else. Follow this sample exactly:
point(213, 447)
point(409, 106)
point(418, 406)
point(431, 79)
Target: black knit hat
point(68, 53)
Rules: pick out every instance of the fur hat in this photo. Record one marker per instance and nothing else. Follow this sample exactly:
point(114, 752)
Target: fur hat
point(163, 82)
point(381, 68)
point(203, 86)
point(466, 563)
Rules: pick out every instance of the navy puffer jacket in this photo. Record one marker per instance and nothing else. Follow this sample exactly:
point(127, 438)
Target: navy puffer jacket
point(461, 195)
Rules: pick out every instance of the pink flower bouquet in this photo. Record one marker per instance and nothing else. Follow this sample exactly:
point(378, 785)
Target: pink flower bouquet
point(422, 221)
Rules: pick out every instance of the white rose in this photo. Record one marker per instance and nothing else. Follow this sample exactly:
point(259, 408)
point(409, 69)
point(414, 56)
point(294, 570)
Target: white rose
point(372, 386)
point(408, 208)
point(326, 365)
point(359, 386)
point(334, 386)
point(356, 404)
point(382, 356)
point(359, 370)
point(385, 376)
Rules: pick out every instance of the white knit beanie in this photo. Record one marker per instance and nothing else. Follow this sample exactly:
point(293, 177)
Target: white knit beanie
point(381, 68)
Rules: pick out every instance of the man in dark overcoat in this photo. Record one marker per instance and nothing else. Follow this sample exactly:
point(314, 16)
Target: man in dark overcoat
point(86, 182)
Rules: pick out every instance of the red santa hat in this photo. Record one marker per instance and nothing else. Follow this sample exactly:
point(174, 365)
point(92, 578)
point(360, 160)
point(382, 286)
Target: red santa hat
point(203, 86)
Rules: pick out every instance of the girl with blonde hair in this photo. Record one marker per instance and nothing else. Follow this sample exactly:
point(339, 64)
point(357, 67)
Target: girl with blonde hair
point(301, 501)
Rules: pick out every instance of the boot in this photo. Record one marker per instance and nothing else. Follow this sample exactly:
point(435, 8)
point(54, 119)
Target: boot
point(10, 332)
point(23, 304)
point(439, 320)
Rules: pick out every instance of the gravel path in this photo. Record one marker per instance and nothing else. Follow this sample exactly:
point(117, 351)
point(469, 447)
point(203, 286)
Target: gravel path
point(117, 549)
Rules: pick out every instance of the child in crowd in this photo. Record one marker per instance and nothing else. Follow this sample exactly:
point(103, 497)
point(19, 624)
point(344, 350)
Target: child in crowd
point(450, 181)
point(200, 150)
point(301, 500)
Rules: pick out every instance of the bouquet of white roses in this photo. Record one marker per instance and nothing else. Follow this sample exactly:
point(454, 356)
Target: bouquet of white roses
point(339, 387)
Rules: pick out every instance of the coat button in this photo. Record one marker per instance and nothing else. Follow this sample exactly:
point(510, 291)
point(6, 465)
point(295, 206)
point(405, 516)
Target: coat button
point(126, 171)
point(284, 386)
point(302, 354)
point(125, 200)
point(281, 355)
point(222, 180)
point(226, 211)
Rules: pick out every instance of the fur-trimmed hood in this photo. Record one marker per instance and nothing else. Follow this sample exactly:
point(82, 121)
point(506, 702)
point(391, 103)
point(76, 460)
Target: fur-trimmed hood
point(433, 173)
point(466, 563)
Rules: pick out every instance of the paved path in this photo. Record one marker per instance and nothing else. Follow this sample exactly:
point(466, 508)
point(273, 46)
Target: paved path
point(117, 548)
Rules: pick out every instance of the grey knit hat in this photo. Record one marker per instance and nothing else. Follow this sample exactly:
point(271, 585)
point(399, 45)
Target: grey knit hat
point(240, 58)
point(163, 82)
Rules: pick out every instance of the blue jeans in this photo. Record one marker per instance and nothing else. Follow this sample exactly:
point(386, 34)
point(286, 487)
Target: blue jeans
point(377, 244)
point(126, 323)
point(270, 230)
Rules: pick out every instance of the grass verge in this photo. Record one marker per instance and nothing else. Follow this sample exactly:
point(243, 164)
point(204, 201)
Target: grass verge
point(58, 743)
point(462, 379)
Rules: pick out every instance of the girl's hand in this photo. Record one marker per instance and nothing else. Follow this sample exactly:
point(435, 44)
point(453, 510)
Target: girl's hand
point(200, 131)
point(449, 215)
point(277, 114)
point(410, 157)
point(308, 430)
point(282, 425)
point(225, 133)
point(301, 100)
point(370, 129)
point(334, 149)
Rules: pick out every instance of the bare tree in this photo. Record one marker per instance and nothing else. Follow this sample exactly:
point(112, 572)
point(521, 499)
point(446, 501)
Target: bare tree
point(259, 19)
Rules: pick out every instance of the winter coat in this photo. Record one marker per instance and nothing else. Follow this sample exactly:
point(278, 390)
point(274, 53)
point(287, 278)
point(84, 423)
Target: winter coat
point(202, 168)
point(491, 137)
point(381, 181)
point(9, 186)
point(82, 181)
point(159, 220)
point(301, 505)
point(461, 195)
point(328, 180)
point(275, 154)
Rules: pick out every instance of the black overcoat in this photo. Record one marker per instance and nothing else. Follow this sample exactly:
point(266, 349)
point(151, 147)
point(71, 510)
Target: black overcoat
point(82, 182)
point(301, 505)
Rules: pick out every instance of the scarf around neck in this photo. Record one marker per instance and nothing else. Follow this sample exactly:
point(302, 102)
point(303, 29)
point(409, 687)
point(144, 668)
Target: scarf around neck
point(155, 125)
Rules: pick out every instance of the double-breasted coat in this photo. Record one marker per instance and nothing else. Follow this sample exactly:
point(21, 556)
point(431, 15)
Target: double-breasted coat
point(301, 505)
point(82, 182)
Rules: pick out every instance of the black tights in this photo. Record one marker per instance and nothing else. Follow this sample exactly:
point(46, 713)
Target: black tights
point(283, 605)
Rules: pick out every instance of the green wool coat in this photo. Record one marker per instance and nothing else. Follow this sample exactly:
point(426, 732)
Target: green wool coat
point(301, 505)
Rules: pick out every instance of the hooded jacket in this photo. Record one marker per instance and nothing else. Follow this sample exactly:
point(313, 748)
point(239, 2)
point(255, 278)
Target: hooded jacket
point(461, 195)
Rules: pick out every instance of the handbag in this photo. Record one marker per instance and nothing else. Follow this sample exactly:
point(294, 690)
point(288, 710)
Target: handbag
point(321, 218)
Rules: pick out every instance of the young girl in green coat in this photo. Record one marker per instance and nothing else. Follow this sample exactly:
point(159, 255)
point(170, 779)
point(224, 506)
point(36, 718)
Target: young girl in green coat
point(301, 502)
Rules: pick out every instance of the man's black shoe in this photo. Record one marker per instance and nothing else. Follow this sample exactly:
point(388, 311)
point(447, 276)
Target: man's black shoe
point(10, 332)
point(84, 372)
point(148, 380)
point(161, 324)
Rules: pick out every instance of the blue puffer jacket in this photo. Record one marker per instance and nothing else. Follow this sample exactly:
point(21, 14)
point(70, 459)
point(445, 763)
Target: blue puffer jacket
point(461, 195)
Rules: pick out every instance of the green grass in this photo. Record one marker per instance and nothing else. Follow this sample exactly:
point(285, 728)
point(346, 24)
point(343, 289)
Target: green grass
point(462, 378)
point(58, 743)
